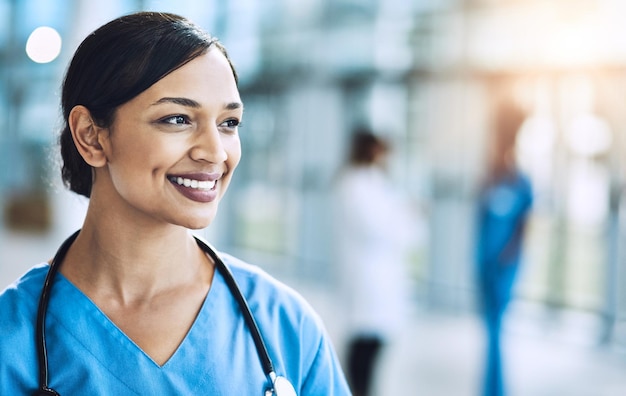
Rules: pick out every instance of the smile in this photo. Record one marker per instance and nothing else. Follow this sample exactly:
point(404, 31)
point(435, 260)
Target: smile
point(195, 184)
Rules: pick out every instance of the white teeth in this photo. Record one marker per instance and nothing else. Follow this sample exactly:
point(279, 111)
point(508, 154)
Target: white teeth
point(197, 184)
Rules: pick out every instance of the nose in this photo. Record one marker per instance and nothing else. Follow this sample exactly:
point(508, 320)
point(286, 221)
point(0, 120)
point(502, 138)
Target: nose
point(208, 145)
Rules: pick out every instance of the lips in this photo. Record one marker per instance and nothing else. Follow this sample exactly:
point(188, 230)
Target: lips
point(199, 187)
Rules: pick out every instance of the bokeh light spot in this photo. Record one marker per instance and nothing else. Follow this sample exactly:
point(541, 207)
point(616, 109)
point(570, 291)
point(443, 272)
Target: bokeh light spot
point(43, 45)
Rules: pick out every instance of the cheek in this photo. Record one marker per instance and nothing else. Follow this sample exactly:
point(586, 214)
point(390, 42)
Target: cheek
point(233, 148)
point(147, 159)
point(139, 158)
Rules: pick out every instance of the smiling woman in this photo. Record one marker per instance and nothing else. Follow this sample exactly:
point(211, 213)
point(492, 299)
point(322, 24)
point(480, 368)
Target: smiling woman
point(133, 303)
point(187, 126)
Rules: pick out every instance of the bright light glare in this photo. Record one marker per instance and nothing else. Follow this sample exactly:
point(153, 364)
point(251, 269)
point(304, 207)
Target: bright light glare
point(589, 135)
point(43, 45)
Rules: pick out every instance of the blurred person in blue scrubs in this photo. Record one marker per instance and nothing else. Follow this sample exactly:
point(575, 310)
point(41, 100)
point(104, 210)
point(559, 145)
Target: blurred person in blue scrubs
point(375, 229)
point(151, 113)
point(505, 201)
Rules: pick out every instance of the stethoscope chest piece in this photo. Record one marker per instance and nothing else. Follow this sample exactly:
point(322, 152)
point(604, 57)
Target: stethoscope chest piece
point(281, 387)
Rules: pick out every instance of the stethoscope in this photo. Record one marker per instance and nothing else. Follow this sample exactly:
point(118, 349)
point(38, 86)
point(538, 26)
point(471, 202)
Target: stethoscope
point(279, 385)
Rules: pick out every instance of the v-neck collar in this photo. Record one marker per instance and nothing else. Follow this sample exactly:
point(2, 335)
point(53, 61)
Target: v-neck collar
point(87, 310)
point(83, 321)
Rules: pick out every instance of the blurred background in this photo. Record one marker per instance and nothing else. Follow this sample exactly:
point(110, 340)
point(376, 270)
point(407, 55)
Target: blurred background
point(427, 74)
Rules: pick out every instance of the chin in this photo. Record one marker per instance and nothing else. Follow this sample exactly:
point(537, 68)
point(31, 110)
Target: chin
point(199, 222)
point(197, 227)
point(196, 219)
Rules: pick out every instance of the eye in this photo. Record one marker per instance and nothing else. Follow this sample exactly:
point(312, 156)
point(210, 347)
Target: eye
point(231, 123)
point(176, 120)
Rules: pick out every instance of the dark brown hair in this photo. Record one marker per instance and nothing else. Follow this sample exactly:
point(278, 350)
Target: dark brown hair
point(365, 147)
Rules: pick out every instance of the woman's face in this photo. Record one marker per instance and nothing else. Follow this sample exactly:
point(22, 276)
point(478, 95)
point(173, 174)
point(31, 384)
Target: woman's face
point(171, 151)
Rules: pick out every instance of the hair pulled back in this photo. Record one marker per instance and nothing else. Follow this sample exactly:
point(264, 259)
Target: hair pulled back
point(117, 62)
point(365, 147)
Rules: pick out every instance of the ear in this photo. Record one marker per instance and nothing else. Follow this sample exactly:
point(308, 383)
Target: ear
point(86, 135)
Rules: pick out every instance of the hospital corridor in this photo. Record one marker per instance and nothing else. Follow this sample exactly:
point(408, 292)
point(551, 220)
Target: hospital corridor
point(443, 181)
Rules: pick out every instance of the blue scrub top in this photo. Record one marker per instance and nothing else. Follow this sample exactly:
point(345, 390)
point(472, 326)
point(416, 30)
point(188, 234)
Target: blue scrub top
point(504, 207)
point(89, 355)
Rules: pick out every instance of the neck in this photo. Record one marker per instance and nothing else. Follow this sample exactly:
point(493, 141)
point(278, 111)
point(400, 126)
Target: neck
point(133, 263)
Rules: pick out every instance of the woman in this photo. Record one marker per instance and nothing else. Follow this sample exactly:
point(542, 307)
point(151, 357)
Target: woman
point(375, 230)
point(504, 205)
point(138, 306)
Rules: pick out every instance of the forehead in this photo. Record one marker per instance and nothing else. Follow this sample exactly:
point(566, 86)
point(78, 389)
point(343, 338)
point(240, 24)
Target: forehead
point(207, 79)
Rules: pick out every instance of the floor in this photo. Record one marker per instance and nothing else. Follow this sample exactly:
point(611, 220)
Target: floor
point(547, 353)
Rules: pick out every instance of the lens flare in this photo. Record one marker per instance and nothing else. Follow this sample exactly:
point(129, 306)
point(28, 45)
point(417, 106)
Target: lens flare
point(43, 45)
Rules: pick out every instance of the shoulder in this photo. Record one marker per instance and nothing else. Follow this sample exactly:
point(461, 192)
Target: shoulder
point(525, 185)
point(294, 333)
point(263, 291)
point(522, 179)
point(357, 175)
point(21, 297)
point(18, 309)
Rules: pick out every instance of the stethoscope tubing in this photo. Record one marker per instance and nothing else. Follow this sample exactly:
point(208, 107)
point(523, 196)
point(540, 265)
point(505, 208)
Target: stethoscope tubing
point(44, 299)
point(264, 356)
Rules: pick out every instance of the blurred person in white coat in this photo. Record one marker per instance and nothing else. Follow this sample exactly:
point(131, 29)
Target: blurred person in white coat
point(375, 229)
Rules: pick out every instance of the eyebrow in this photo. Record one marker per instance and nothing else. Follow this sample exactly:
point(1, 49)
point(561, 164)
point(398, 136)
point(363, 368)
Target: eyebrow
point(194, 104)
point(180, 101)
point(234, 106)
